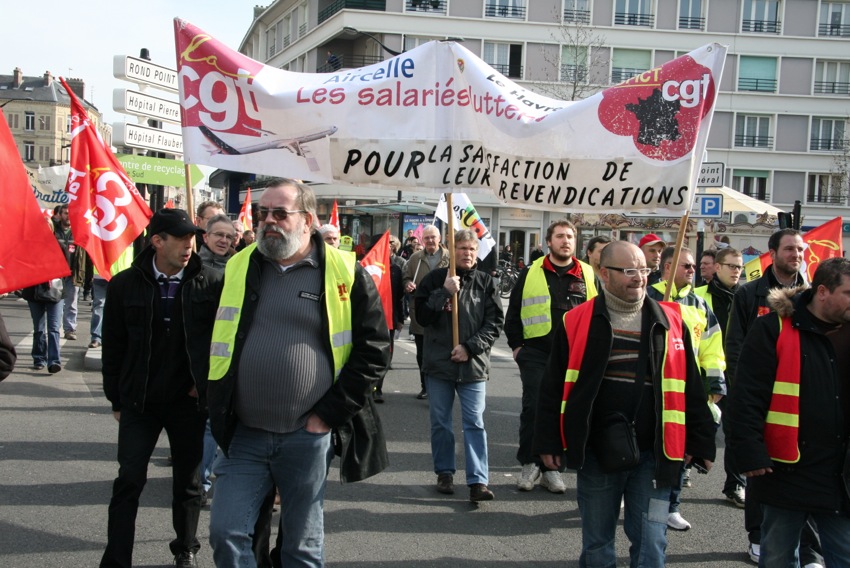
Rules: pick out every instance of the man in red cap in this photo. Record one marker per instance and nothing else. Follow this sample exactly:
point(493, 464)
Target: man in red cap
point(652, 247)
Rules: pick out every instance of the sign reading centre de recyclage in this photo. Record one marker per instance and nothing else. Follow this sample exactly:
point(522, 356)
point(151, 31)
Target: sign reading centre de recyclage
point(439, 118)
point(157, 171)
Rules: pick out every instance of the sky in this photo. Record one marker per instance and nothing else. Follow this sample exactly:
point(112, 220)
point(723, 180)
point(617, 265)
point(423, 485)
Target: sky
point(79, 39)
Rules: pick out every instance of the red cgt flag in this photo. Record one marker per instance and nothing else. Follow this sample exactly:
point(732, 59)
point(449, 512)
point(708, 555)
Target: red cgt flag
point(107, 213)
point(334, 220)
point(377, 263)
point(29, 253)
point(245, 215)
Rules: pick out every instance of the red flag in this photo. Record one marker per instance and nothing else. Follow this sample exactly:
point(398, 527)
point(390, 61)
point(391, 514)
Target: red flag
point(169, 204)
point(29, 253)
point(107, 213)
point(377, 263)
point(824, 242)
point(418, 232)
point(334, 217)
point(245, 215)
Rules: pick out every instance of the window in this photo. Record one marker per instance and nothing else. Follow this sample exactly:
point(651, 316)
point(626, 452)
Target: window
point(827, 134)
point(633, 13)
point(431, 6)
point(826, 188)
point(626, 63)
point(13, 120)
point(577, 11)
point(761, 16)
point(271, 41)
point(411, 42)
point(757, 74)
point(690, 15)
point(29, 151)
point(505, 9)
point(29, 120)
point(574, 64)
point(506, 58)
point(753, 132)
point(751, 182)
point(303, 18)
point(832, 77)
point(834, 19)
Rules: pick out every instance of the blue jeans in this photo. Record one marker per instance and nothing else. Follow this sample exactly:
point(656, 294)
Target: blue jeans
point(45, 345)
point(599, 495)
point(441, 396)
point(780, 537)
point(98, 300)
point(298, 464)
point(209, 456)
point(69, 301)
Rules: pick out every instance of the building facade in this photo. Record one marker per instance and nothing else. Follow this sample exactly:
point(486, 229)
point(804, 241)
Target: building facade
point(780, 123)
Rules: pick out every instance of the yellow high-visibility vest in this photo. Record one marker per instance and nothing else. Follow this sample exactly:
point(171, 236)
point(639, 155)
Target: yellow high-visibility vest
point(536, 309)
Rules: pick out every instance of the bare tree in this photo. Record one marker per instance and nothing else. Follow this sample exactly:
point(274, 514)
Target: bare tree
point(577, 68)
point(841, 163)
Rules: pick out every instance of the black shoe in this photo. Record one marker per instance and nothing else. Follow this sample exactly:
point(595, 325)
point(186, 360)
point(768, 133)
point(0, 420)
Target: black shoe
point(479, 492)
point(54, 368)
point(445, 483)
point(205, 499)
point(422, 395)
point(378, 396)
point(185, 560)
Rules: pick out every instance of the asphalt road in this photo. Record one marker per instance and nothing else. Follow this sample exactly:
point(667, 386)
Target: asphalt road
point(57, 463)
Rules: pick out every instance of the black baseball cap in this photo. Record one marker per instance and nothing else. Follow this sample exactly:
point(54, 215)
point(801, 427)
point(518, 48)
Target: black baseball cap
point(174, 222)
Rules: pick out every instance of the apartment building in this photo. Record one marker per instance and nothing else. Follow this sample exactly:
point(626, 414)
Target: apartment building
point(780, 124)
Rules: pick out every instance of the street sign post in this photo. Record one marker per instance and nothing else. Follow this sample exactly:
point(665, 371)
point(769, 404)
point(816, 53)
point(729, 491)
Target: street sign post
point(141, 71)
point(141, 104)
point(137, 136)
point(711, 174)
point(707, 207)
point(157, 171)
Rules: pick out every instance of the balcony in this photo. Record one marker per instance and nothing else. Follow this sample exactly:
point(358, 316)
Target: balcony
point(758, 193)
point(762, 26)
point(826, 144)
point(834, 30)
point(620, 74)
point(376, 5)
point(832, 88)
point(634, 19)
point(826, 199)
point(750, 141)
point(759, 85)
point(349, 62)
point(493, 10)
point(426, 6)
point(686, 23)
point(508, 70)
point(574, 73)
point(576, 16)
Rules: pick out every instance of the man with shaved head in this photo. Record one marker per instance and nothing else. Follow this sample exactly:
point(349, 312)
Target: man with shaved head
point(622, 403)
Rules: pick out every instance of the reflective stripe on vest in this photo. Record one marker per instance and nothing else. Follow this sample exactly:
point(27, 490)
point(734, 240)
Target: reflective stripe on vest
point(673, 380)
point(536, 308)
point(782, 424)
point(339, 277)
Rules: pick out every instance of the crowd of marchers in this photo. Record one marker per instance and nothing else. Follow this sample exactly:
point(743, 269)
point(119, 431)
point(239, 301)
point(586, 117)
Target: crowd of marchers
point(263, 356)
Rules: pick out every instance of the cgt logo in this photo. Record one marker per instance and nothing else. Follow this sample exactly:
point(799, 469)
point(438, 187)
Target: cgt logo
point(661, 109)
point(678, 344)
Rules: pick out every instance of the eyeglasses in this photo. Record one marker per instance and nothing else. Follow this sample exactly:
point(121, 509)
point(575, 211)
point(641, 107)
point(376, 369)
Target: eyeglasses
point(732, 266)
point(227, 236)
point(278, 213)
point(688, 266)
point(631, 272)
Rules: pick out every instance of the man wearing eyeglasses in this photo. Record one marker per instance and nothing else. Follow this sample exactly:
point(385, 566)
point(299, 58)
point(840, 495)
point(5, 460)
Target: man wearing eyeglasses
point(718, 293)
point(707, 343)
point(623, 363)
point(553, 285)
point(299, 341)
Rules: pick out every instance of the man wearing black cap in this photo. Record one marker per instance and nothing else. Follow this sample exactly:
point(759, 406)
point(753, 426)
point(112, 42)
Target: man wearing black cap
point(157, 329)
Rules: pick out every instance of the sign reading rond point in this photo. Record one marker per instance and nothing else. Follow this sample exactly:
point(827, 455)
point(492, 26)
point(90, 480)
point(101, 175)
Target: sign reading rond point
point(141, 71)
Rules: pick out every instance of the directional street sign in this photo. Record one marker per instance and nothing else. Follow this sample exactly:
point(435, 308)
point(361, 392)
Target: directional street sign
point(707, 207)
point(144, 72)
point(158, 171)
point(137, 136)
point(711, 174)
point(141, 104)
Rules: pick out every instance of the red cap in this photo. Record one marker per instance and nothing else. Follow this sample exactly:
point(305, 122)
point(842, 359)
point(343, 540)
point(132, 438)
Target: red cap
point(650, 239)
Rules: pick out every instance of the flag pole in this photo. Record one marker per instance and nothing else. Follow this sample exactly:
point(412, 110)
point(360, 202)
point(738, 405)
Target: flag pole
point(450, 242)
point(190, 206)
point(674, 262)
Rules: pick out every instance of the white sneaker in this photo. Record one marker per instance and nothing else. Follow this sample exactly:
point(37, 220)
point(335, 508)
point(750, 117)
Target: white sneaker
point(813, 565)
point(552, 481)
point(530, 475)
point(754, 550)
point(677, 522)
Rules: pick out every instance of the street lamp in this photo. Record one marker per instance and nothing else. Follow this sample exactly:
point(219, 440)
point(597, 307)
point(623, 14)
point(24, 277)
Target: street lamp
point(376, 40)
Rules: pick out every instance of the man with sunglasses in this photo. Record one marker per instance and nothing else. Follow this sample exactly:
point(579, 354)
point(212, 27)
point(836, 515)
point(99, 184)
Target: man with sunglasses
point(299, 342)
point(718, 294)
point(622, 362)
point(707, 343)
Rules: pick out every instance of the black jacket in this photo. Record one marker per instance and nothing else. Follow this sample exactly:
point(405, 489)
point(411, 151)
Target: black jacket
point(480, 321)
point(750, 301)
point(7, 352)
point(366, 365)
point(815, 483)
point(578, 415)
point(127, 327)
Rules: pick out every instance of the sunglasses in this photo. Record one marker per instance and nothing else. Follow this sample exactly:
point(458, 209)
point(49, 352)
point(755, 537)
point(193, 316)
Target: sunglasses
point(278, 213)
point(688, 266)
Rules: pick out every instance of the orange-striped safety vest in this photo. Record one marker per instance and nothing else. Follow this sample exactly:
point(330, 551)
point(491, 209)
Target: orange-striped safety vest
point(782, 424)
point(673, 380)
